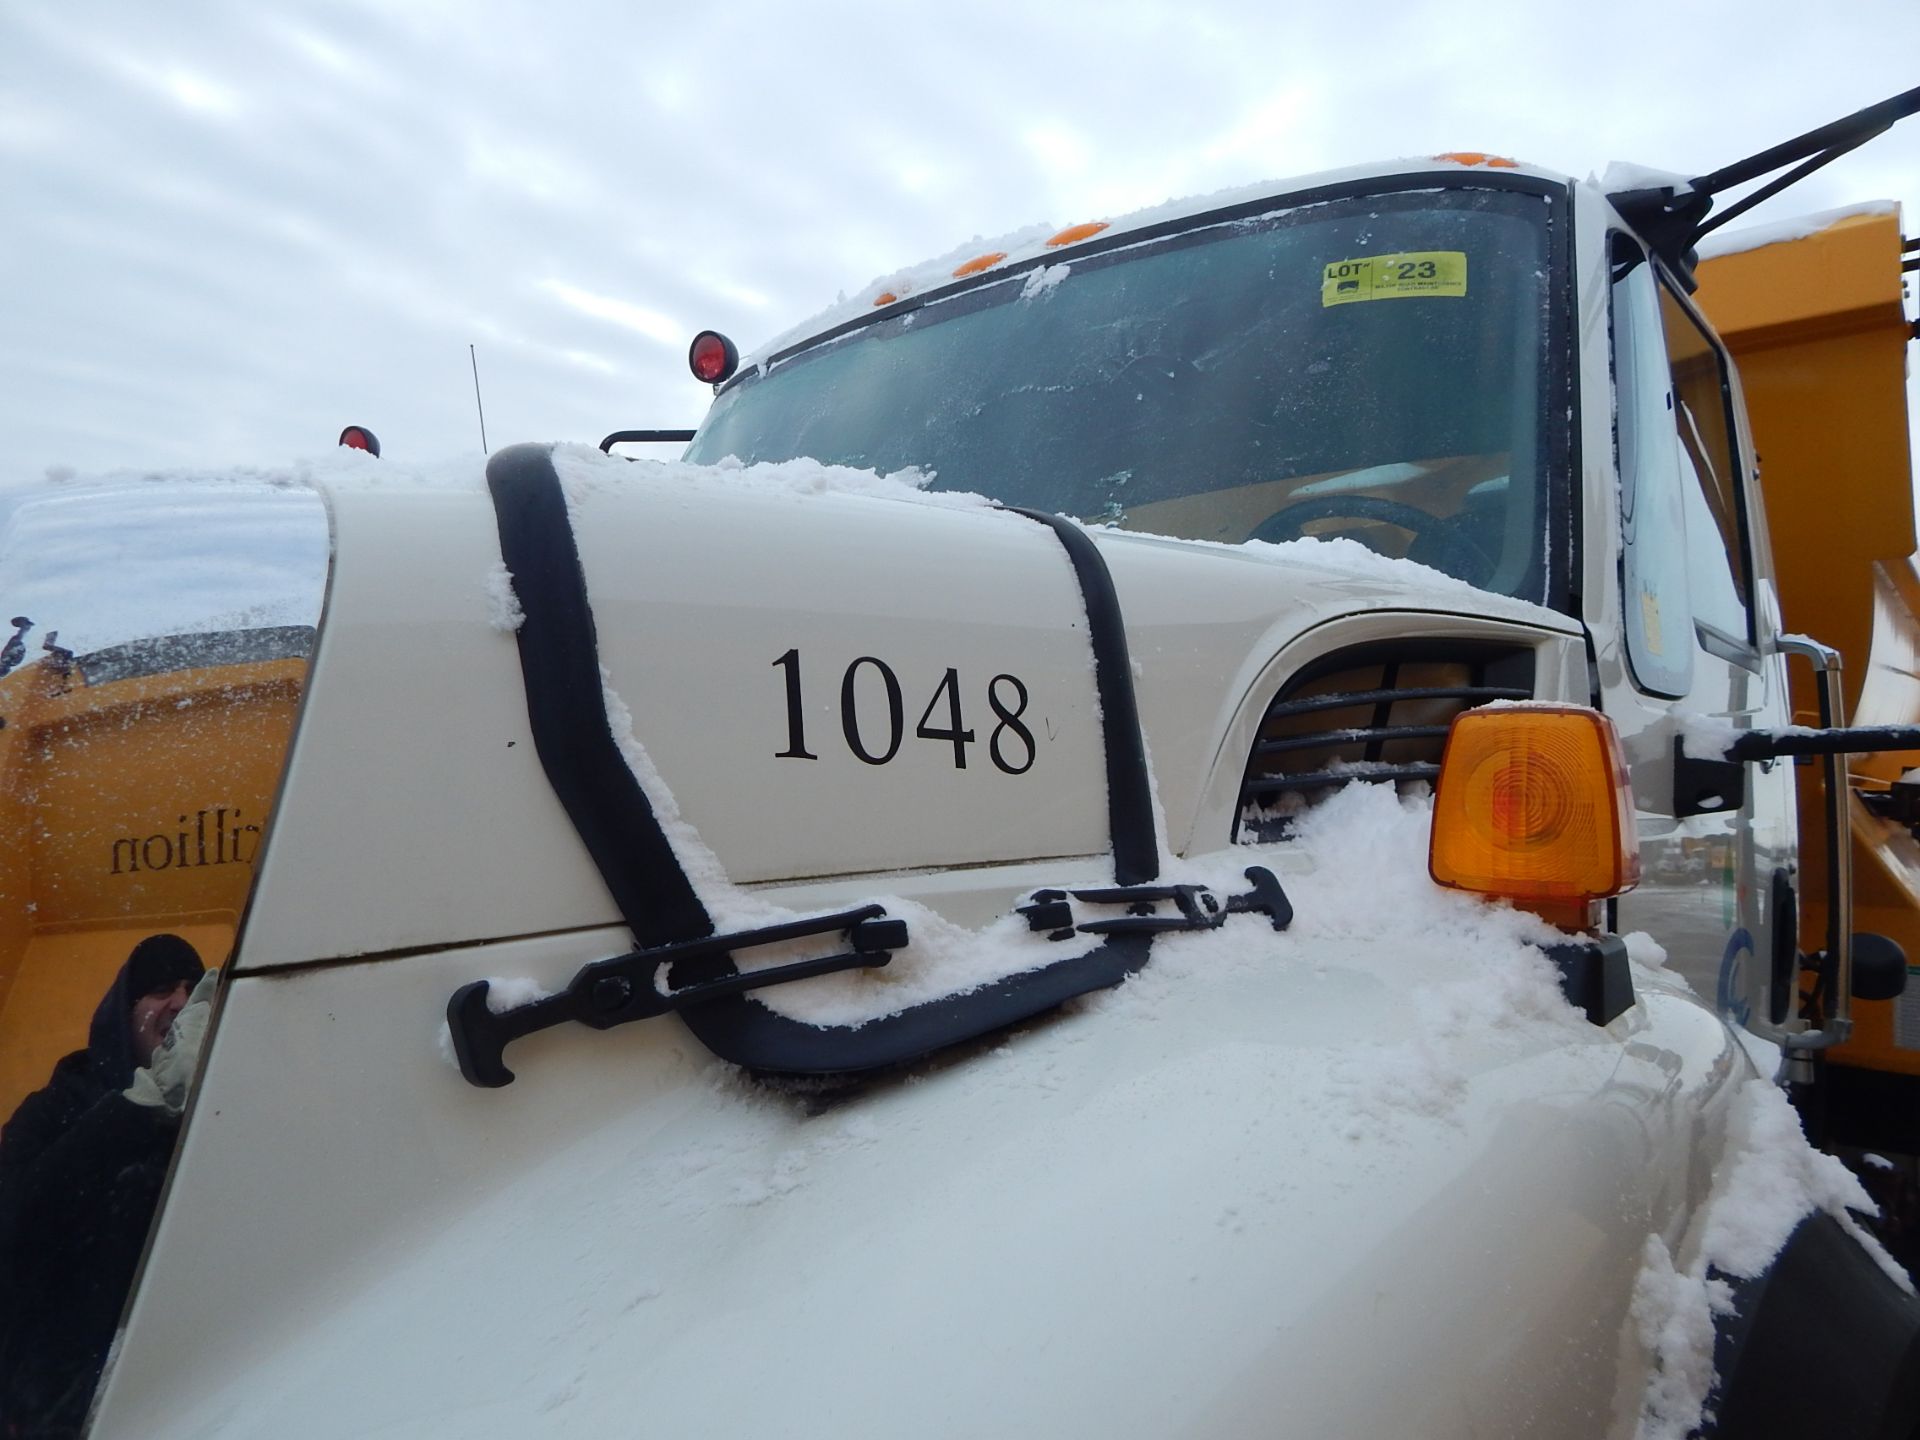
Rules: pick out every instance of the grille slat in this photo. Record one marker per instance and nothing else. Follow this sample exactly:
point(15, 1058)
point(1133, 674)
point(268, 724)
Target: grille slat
point(1423, 771)
point(1367, 733)
point(1378, 713)
point(1473, 694)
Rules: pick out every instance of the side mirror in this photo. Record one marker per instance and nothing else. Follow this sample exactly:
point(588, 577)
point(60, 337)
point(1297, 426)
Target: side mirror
point(1879, 967)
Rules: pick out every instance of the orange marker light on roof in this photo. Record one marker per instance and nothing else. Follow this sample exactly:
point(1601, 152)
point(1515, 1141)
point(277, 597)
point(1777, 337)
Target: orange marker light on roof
point(979, 263)
point(1533, 806)
point(1479, 157)
point(1073, 234)
point(885, 297)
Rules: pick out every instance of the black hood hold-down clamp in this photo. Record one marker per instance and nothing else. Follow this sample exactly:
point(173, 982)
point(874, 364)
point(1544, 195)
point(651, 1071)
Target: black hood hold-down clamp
point(591, 777)
point(1195, 908)
point(636, 986)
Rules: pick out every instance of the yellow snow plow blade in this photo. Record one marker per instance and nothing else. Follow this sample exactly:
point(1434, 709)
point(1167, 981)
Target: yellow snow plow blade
point(129, 807)
point(1817, 327)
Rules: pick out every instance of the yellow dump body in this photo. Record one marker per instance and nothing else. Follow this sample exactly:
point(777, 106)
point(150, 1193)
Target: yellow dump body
point(1817, 327)
point(129, 806)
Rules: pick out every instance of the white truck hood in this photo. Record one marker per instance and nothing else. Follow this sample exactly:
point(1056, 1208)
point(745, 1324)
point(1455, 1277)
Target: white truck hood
point(414, 687)
point(1382, 1146)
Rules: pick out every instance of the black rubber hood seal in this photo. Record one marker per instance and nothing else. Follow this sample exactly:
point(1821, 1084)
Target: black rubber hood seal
point(566, 708)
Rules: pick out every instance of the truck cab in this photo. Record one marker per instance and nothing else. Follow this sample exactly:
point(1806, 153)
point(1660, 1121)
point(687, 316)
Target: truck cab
point(1479, 368)
point(926, 906)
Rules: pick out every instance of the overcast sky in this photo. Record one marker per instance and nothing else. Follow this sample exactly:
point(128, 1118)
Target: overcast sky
point(228, 229)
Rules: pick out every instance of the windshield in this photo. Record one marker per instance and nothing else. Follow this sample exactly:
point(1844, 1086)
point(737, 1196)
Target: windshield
point(1373, 368)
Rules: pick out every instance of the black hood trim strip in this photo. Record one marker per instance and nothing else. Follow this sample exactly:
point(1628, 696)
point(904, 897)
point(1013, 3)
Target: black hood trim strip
point(566, 710)
point(1136, 847)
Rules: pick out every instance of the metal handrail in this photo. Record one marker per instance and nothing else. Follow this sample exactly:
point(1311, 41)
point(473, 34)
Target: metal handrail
point(1837, 1023)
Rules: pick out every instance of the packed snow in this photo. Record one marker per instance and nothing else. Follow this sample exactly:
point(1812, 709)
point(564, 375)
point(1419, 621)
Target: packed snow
point(1752, 237)
point(503, 604)
point(1769, 1179)
point(1623, 175)
point(584, 470)
point(1355, 870)
point(1340, 553)
point(506, 993)
point(1043, 281)
point(1674, 1313)
point(1705, 737)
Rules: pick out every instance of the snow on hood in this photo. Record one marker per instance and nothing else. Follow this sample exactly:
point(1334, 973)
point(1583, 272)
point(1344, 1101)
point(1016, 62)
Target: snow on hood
point(1355, 868)
point(1351, 558)
point(585, 470)
point(1356, 873)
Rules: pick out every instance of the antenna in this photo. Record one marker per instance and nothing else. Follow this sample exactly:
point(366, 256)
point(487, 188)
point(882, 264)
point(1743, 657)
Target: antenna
point(471, 360)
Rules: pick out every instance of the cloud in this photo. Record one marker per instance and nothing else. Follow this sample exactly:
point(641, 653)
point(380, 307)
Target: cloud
point(650, 323)
point(226, 240)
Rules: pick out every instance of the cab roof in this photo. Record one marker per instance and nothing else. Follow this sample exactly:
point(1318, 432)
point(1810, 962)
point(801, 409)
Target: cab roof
point(979, 261)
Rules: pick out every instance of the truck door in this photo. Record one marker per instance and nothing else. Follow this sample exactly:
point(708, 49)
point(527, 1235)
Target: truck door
point(1691, 625)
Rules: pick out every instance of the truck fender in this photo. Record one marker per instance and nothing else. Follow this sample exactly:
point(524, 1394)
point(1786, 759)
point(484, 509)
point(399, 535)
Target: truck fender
point(1823, 1343)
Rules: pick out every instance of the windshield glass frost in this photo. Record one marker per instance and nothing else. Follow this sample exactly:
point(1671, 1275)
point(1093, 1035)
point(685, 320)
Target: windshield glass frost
point(1372, 368)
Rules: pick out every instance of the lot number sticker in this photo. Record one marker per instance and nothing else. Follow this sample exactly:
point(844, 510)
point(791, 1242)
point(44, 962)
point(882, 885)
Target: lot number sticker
point(1394, 277)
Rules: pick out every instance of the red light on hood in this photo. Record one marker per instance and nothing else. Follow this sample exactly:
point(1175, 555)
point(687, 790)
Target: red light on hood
point(358, 437)
point(712, 357)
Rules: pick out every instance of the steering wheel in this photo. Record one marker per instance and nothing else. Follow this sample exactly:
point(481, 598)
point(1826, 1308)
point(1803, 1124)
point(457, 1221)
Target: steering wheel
point(1443, 544)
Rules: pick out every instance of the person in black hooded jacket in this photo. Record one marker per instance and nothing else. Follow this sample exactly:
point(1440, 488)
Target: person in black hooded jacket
point(81, 1165)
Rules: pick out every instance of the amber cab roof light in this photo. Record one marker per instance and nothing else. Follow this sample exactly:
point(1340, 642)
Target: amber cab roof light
point(712, 357)
point(1533, 806)
point(979, 263)
point(1074, 234)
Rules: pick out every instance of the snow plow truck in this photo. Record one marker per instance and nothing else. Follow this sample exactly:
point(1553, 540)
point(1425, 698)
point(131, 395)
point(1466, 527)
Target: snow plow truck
point(1214, 823)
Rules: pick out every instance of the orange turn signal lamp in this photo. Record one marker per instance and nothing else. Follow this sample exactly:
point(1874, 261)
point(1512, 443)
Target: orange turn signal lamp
point(1533, 805)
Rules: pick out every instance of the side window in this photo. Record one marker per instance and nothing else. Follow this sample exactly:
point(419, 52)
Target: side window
point(1716, 557)
point(1654, 562)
